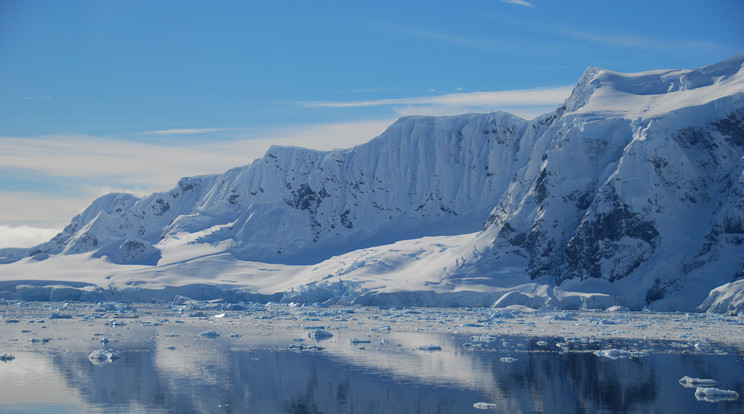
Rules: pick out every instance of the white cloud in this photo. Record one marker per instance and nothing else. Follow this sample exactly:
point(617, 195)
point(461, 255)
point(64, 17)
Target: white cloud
point(517, 97)
point(523, 102)
point(451, 39)
point(96, 165)
point(518, 2)
point(24, 236)
point(190, 131)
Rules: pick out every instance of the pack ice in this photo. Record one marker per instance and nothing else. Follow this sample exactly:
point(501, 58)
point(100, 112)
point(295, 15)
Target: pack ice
point(630, 194)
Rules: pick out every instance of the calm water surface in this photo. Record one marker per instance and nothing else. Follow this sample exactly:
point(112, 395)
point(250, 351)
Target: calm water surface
point(174, 370)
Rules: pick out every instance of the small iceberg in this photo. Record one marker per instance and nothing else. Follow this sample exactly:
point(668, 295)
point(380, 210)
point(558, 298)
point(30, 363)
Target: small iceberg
point(209, 334)
point(485, 406)
point(318, 334)
point(429, 347)
point(355, 341)
point(6, 357)
point(303, 347)
point(561, 316)
point(483, 338)
point(508, 359)
point(382, 329)
point(100, 356)
point(619, 353)
point(689, 382)
point(711, 394)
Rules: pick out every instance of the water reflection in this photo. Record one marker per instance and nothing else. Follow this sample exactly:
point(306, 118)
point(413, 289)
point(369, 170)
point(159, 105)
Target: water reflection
point(215, 376)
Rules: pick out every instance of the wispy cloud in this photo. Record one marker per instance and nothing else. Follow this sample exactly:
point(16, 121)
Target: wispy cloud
point(523, 102)
point(537, 96)
point(453, 39)
point(618, 40)
point(190, 131)
point(518, 2)
point(24, 236)
point(96, 165)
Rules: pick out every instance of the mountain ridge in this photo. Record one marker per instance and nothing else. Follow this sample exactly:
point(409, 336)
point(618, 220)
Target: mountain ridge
point(632, 190)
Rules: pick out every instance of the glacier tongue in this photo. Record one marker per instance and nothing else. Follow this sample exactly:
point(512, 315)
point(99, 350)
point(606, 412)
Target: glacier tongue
point(631, 193)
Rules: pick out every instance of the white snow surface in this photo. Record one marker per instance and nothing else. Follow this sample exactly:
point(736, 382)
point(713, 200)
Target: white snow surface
point(631, 194)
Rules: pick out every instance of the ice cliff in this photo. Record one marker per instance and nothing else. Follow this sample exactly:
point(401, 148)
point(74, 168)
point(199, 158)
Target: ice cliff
point(630, 193)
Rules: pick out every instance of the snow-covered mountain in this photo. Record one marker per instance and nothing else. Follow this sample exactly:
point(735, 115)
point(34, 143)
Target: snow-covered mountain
point(630, 193)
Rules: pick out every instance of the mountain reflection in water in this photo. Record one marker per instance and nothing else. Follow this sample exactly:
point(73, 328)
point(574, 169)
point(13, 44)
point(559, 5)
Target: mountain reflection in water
point(210, 376)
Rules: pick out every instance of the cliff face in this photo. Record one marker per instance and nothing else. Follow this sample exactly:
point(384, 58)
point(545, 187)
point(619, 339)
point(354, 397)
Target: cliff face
point(423, 176)
point(633, 187)
point(639, 178)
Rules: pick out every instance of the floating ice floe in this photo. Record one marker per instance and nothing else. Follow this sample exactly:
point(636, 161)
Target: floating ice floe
point(711, 394)
point(430, 347)
point(689, 382)
point(382, 329)
point(485, 406)
point(58, 315)
point(319, 334)
point(619, 353)
point(355, 341)
point(6, 357)
point(508, 359)
point(541, 343)
point(100, 356)
point(483, 338)
point(209, 334)
point(561, 316)
point(303, 347)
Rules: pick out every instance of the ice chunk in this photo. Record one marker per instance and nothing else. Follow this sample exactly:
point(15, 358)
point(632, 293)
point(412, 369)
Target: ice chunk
point(6, 357)
point(689, 382)
point(382, 329)
point(319, 334)
point(209, 334)
point(561, 316)
point(485, 406)
point(615, 353)
point(483, 338)
point(541, 343)
point(430, 347)
point(58, 315)
point(100, 356)
point(302, 347)
point(354, 341)
point(508, 359)
point(711, 394)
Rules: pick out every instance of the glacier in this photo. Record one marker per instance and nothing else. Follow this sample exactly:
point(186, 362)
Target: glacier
point(629, 194)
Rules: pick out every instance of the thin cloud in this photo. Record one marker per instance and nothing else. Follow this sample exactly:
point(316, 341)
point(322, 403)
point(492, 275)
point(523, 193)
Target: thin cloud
point(96, 165)
point(24, 236)
point(189, 131)
point(453, 40)
point(519, 97)
point(518, 2)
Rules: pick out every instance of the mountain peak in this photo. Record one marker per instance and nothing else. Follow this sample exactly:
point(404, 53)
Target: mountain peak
point(650, 93)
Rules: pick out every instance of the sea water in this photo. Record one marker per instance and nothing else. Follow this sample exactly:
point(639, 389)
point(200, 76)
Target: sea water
point(366, 361)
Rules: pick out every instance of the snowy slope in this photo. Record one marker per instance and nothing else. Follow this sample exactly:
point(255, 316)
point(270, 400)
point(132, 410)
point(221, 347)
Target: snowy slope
point(630, 193)
point(638, 191)
point(423, 176)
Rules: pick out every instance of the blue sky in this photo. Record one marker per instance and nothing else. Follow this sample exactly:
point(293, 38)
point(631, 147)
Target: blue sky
point(99, 96)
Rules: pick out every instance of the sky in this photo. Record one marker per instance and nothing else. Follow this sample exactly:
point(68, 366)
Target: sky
point(103, 96)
